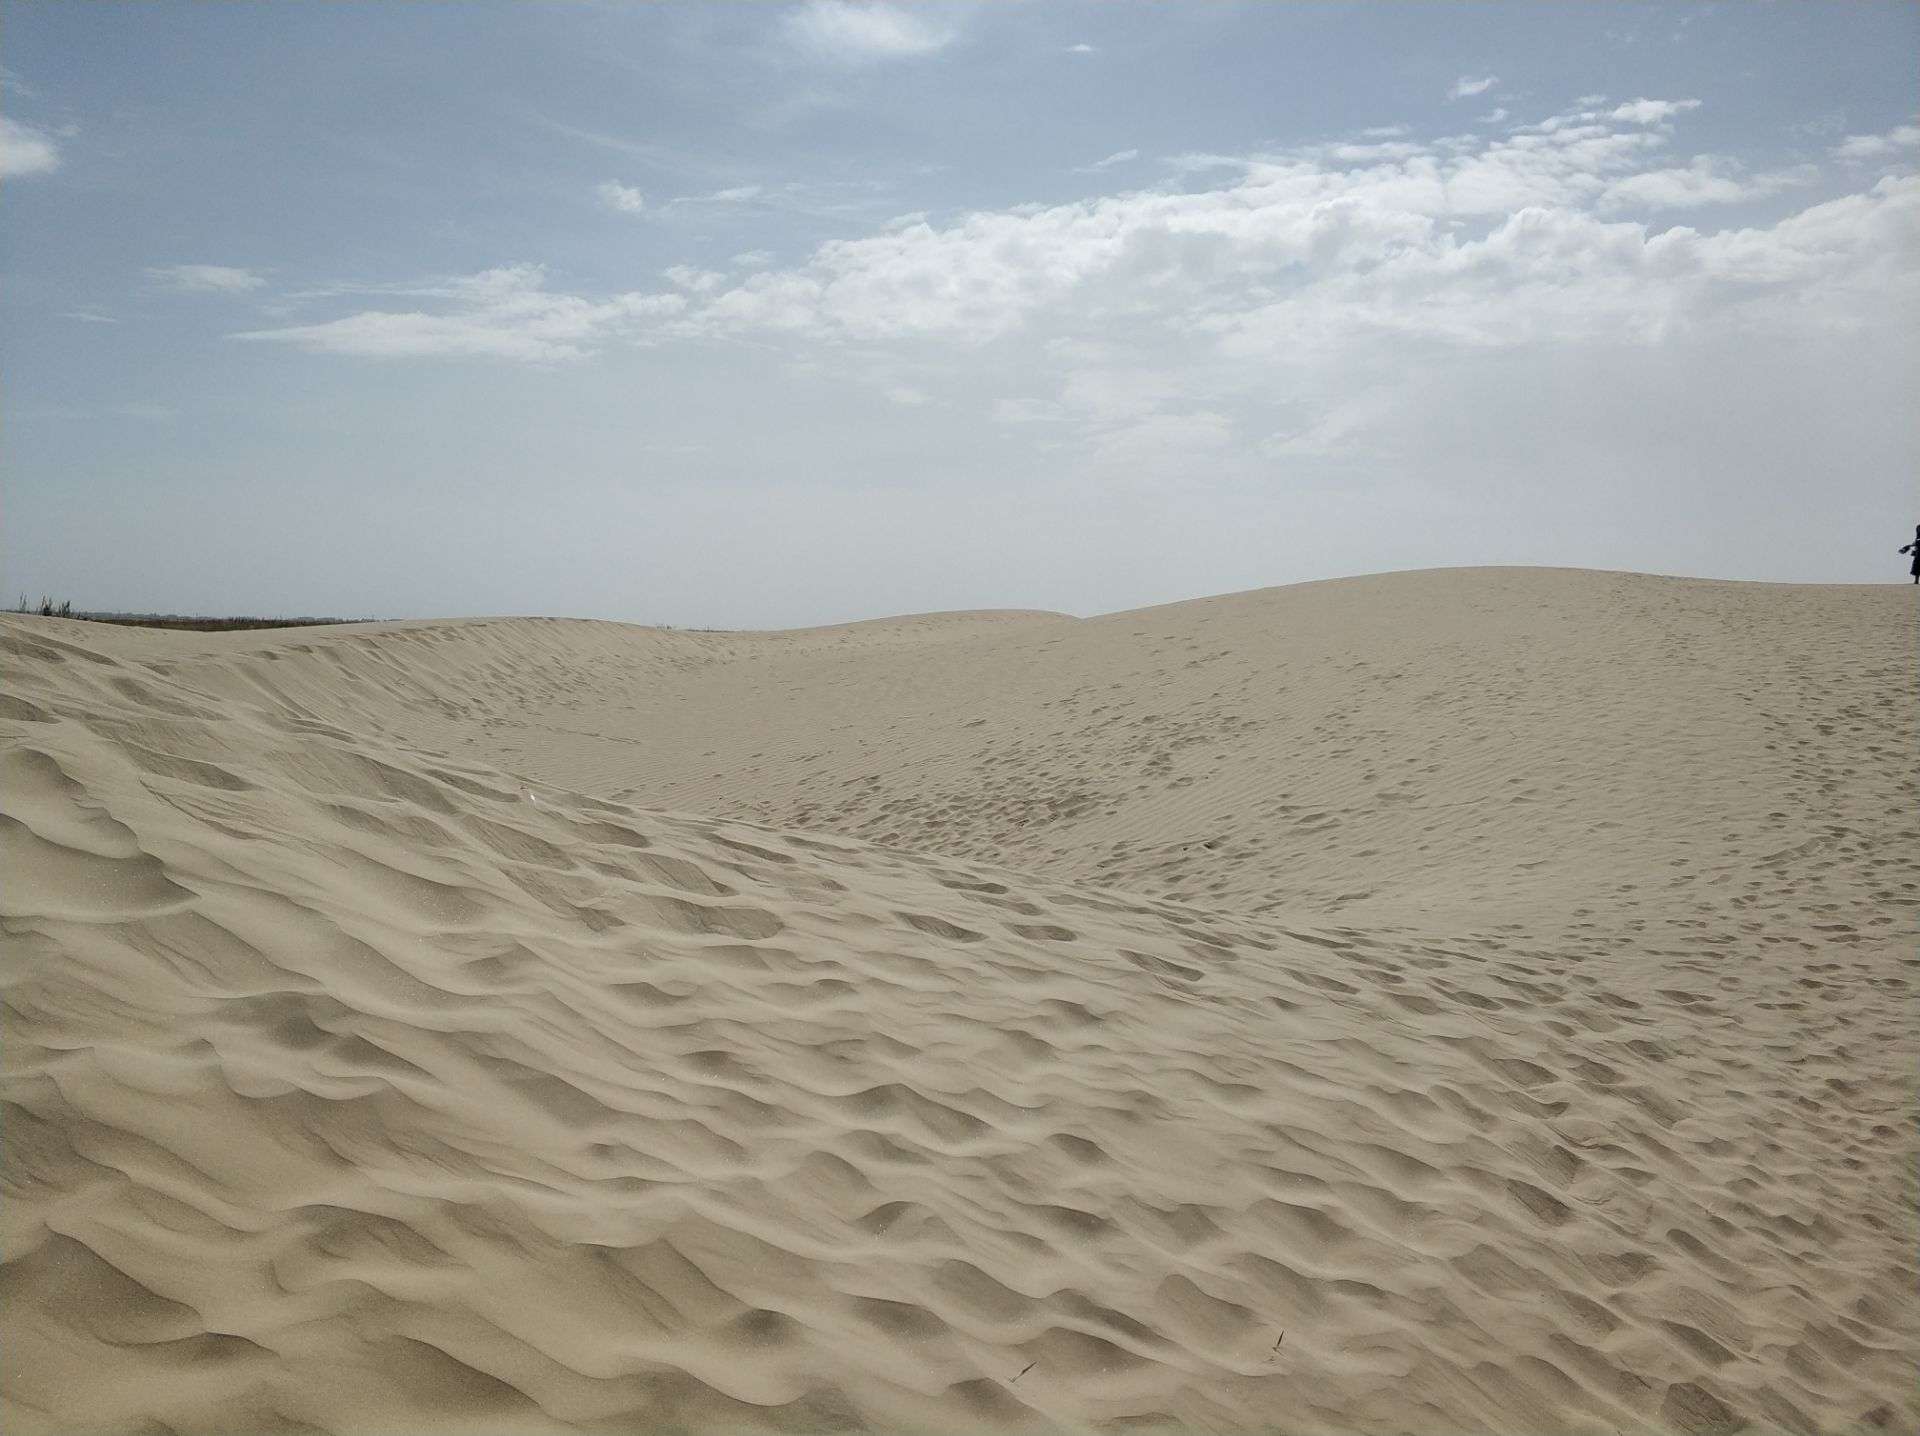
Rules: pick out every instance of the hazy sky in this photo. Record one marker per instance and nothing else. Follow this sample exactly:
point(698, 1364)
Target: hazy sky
point(759, 315)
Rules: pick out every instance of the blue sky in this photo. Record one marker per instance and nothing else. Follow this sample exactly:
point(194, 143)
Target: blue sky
point(759, 315)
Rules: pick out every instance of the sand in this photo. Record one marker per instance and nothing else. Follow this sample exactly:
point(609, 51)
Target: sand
point(1473, 1000)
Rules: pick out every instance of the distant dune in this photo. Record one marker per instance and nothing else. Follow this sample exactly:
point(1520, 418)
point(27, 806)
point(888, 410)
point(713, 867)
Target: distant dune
point(1471, 1000)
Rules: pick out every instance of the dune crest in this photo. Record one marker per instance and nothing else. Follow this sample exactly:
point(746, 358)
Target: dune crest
point(1466, 1001)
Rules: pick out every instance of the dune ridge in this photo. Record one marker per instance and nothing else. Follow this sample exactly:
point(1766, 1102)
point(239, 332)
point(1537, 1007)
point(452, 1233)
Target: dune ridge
point(1201, 1018)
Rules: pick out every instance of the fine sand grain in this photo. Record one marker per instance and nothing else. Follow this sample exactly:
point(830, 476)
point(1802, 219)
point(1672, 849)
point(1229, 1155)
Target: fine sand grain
point(1476, 1000)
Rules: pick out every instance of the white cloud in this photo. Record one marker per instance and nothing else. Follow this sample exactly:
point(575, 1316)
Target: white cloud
point(753, 259)
point(839, 201)
point(1467, 86)
point(206, 278)
point(1876, 147)
point(1378, 150)
point(1306, 218)
point(89, 316)
point(859, 31)
point(623, 198)
point(1118, 157)
point(1495, 116)
point(1706, 181)
point(1220, 379)
point(505, 313)
point(1309, 311)
point(1200, 162)
point(1100, 387)
point(1651, 112)
point(26, 150)
point(907, 396)
point(1080, 49)
point(1289, 282)
point(697, 281)
point(735, 194)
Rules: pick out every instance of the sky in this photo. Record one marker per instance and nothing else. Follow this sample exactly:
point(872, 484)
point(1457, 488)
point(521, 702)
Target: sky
point(764, 315)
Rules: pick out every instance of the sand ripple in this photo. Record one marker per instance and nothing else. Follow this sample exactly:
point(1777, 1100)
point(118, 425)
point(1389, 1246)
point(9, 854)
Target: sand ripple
point(355, 1087)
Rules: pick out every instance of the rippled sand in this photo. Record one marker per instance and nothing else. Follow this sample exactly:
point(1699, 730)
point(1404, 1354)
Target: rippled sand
point(1455, 1001)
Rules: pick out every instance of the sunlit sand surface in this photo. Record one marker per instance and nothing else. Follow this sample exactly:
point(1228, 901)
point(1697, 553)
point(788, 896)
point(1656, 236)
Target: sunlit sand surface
point(1474, 1000)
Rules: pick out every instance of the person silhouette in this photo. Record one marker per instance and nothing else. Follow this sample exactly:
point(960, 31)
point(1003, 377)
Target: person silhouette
point(1914, 549)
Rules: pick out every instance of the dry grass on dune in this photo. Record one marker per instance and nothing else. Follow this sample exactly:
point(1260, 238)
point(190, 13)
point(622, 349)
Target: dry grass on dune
point(1462, 1001)
point(193, 623)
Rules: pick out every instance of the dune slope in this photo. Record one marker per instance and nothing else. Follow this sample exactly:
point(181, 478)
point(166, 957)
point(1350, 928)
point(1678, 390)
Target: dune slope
point(1463, 743)
point(942, 1024)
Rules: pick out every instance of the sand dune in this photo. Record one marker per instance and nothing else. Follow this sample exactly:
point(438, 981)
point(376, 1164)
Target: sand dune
point(1474, 1000)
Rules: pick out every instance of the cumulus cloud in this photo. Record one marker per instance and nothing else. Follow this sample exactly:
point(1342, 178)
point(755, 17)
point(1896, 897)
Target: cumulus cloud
point(1374, 150)
point(1118, 157)
point(1878, 147)
point(205, 278)
point(1286, 313)
point(861, 31)
point(1706, 181)
point(1298, 218)
point(1651, 112)
point(26, 150)
point(1080, 49)
point(624, 199)
point(1467, 86)
point(1244, 316)
point(504, 313)
point(697, 281)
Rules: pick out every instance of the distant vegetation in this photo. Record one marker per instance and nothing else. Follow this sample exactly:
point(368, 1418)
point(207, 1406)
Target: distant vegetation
point(47, 608)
